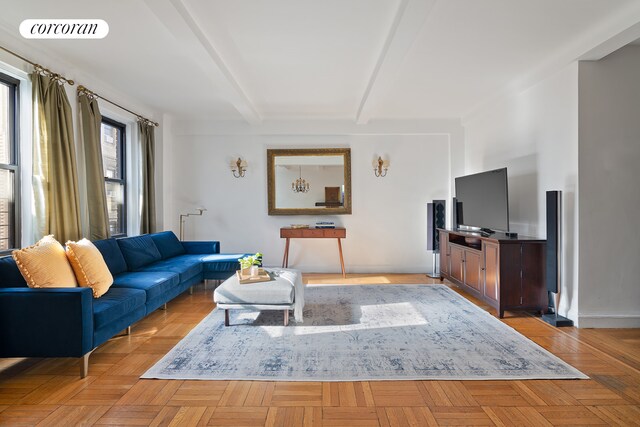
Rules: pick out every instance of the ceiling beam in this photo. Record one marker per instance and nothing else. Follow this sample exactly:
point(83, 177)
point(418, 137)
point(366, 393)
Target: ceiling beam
point(409, 19)
point(188, 31)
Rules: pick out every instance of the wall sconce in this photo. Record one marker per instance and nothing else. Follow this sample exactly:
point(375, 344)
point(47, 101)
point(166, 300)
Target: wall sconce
point(183, 217)
point(238, 167)
point(380, 167)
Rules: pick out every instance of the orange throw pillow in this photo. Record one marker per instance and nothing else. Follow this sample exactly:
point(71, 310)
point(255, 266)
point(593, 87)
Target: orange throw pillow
point(45, 265)
point(88, 264)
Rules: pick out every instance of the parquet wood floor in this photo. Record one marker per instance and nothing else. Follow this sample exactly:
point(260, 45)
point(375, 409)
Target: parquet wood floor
point(49, 392)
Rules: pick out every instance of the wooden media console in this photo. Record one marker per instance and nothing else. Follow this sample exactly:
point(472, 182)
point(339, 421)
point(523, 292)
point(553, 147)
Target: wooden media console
point(506, 273)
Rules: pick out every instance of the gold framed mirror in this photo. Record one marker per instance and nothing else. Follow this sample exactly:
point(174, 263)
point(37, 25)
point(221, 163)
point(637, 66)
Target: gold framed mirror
point(314, 181)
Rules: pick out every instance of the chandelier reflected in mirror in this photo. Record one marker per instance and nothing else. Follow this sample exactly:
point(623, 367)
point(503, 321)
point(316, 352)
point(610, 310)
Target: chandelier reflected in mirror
point(300, 185)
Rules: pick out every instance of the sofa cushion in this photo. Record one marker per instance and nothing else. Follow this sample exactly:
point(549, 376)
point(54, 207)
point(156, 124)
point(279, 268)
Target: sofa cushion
point(89, 267)
point(45, 265)
point(221, 262)
point(112, 255)
point(168, 244)
point(186, 266)
point(154, 283)
point(116, 303)
point(10, 276)
point(139, 251)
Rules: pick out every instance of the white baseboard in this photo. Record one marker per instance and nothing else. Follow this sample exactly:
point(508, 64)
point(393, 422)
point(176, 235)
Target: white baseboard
point(335, 268)
point(608, 321)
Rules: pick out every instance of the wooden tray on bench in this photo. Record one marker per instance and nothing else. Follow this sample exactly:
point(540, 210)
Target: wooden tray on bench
point(244, 277)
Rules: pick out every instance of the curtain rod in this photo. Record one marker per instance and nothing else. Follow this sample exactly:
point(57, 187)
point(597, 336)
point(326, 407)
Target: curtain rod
point(84, 90)
point(39, 67)
point(80, 88)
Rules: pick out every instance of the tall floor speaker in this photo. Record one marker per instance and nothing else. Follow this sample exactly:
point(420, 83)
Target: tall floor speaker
point(554, 259)
point(436, 218)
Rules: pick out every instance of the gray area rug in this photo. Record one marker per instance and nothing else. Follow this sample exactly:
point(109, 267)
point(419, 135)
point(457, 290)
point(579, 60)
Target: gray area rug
point(357, 333)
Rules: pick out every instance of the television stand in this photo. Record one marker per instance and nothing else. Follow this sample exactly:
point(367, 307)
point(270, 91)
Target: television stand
point(506, 273)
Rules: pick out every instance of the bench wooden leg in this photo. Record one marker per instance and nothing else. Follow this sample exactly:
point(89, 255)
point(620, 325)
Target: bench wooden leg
point(286, 317)
point(84, 365)
point(226, 317)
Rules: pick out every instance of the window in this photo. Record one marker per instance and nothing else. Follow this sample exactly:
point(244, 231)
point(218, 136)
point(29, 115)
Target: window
point(9, 175)
point(113, 161)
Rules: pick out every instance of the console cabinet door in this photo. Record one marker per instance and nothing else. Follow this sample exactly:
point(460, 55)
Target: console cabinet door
point(457, 263)
point(472, 276)
point(445, 254)
point(491, 275)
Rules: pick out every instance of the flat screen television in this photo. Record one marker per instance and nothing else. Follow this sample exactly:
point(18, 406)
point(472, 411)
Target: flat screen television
point(483, 200)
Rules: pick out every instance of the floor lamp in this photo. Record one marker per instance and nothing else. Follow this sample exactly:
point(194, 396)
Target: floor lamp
point(183, 217)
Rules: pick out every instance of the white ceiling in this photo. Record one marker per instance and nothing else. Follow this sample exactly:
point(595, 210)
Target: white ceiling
point(356, 60)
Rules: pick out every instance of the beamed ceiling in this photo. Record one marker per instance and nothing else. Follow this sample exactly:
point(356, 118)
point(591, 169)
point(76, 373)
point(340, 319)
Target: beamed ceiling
point(358, 60)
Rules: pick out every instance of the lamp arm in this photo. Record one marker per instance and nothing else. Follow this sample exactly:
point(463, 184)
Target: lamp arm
point(183, 217)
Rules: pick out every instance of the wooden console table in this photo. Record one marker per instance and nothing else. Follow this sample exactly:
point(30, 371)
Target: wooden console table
point(312, 233)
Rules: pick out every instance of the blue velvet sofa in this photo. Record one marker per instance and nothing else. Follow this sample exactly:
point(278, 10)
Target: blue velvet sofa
point(148, 271)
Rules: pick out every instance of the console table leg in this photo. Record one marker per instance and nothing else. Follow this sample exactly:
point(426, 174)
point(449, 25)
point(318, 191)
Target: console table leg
point(286, 317)
point(226, 317)
point(287, 262)
point(341, 258)
point(285, 258)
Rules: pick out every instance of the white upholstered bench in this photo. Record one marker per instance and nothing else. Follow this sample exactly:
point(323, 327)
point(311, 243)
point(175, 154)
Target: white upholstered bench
point(285, 292)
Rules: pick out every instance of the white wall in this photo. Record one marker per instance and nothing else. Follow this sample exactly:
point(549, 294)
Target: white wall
point(385, 233)
point(609, 162)
point(535, 135)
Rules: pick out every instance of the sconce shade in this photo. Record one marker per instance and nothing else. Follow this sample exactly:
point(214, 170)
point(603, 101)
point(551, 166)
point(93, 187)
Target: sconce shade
point(376, 162)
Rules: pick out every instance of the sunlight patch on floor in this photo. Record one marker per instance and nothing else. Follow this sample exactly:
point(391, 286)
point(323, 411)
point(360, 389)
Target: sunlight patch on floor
point(375, 316)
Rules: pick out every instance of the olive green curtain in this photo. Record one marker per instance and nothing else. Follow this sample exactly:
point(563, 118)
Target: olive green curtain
point(54, 161)
point(91, 120)
point(148, 208)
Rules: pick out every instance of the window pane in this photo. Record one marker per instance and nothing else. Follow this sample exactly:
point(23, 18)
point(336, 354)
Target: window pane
point(111, 140)
point(7, 207)
point(115, 207)
point(5, 125)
